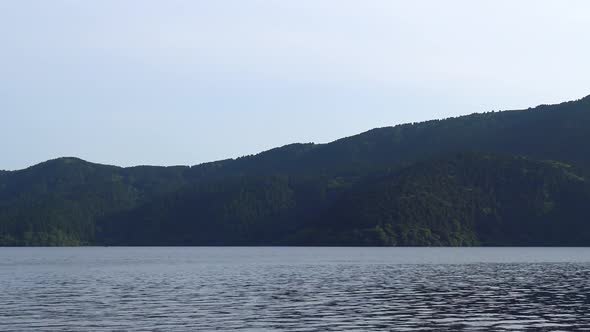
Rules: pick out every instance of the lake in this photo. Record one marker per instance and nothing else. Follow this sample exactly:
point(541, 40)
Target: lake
point(294, 289)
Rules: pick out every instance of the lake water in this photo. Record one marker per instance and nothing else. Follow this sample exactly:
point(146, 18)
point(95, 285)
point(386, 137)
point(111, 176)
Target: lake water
point(294, 289)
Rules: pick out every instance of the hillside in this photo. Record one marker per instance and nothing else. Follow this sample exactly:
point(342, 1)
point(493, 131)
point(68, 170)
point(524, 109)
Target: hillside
point(498, 178)
point(545, 132)
point(58, 202)
point(467, 199)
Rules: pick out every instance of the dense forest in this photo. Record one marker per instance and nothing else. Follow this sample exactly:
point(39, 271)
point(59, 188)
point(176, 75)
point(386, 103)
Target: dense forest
point(497, 178)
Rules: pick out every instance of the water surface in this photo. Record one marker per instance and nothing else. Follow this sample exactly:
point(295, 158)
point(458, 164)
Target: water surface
point(294, 289)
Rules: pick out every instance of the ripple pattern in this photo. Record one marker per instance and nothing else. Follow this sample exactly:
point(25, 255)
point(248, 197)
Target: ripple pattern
point(184, 292)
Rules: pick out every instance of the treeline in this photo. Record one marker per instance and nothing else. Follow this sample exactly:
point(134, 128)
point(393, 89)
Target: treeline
point(499, 178)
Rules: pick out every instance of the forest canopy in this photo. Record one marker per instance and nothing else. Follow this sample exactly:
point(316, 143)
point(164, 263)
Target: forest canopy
point(497, 178)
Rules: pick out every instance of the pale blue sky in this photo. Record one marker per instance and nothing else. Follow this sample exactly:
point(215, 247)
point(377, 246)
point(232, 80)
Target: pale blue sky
point(182, 82)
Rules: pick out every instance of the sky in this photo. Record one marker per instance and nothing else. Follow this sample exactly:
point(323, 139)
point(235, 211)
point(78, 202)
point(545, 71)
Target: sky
point(174, 82)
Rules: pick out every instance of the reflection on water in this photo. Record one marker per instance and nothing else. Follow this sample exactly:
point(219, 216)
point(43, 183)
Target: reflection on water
point(294, 289)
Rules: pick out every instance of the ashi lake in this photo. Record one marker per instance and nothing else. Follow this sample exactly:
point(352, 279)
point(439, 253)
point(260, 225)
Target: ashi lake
point(294, 289)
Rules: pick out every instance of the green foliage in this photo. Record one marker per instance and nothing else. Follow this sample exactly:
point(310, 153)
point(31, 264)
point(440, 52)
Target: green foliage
point(457, 182)
point(467, 199)
point(58, 202)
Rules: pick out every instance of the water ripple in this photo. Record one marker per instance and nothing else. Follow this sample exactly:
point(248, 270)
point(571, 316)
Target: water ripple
point(180, 293)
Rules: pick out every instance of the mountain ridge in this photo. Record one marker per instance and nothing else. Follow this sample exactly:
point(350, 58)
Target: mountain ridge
point(372, 131)
point(306, 193)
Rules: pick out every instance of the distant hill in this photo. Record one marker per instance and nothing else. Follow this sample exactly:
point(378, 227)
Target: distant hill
point(545, 132)
point(467, 199)
point(498, 178)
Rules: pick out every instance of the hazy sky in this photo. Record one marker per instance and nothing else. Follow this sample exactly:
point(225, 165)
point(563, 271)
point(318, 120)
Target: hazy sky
point(183, 82)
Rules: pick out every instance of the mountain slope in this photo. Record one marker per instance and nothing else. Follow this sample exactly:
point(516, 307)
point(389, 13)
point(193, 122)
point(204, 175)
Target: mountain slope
point(387, 186)
point(58, 202)
point(464, 200)
point(555, 132)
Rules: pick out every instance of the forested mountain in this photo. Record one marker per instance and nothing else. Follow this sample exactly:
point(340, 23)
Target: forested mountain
point(498, 178)
point(467, 199)
point(58, 201)
point(546, 132)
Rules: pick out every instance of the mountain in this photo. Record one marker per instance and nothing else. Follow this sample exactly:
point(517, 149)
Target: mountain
point(467, 199)
point(57, 202)
point(545, 132)
point(497, 178)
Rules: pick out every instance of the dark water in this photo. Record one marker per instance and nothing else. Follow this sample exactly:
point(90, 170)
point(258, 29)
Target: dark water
point(294, 289)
